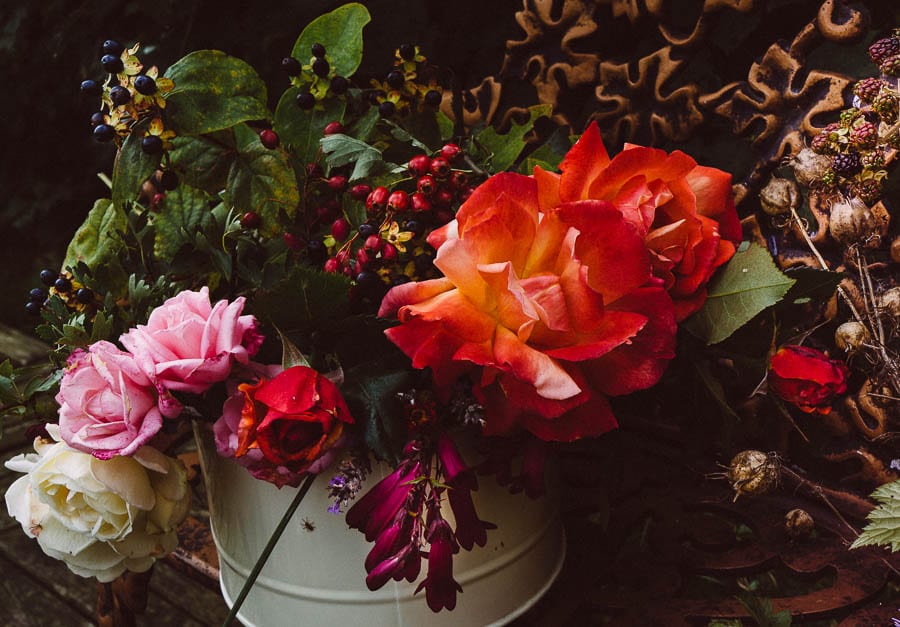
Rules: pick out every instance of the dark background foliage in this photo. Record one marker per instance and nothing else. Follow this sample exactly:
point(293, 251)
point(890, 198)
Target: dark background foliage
point(48, 172)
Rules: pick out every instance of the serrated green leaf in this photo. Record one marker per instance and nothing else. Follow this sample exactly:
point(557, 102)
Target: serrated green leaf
point(445, 125)
point(812, 284)
point(550, 154)
point(303, 298)
point(371, 394)
point(364, 127)
point(340, 31)
point(132, 168)
point(204, 161)
point(506, 148)
point(179, 218)
point(43, 383)
point(342, 149)
point(747, 284)
point(301, 130)
point(883, 527)
point(97, 242)
point(290, 355)
point(261, 180)
point(213, 91)
point(101, 327)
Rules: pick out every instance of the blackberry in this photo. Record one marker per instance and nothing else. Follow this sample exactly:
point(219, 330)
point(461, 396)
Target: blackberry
point(873, 159)
point(846, 164)
point(884, 48)
point(864, 135)
point(868, 191)
point(848, 116)
point(890, 66)
point(868, 88)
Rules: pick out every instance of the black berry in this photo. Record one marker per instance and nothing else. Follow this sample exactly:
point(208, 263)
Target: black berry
point(291, 66)
point(91, 88)
point(119, 95)
point(97, 118)
point(152, 145)
point(407, 52)
point(33, 307)
point(306, 100)
point(168, 180)
point(318, 50)
point(367, 279)
point(84, 295)
point(111, 46)
point(339, 85)
point(112, 63)
point(104, 132)
point(376, 95)
point(386, 109)
point(145, 85)
point(48, 277)
point(846, 164)
point(38, 294)
point(320, 67)
point(366, 229)
point(395, 79)
point(316, 251)
point(62, 284)
point(432, 98)
point(415, 228)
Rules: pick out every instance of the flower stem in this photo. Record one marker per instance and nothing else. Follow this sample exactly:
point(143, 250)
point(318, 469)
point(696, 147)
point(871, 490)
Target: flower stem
point(270, 546)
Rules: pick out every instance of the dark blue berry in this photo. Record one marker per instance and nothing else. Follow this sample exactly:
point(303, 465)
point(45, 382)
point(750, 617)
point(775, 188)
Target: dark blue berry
point(145, 85)
point(316, 251)
point(152, 145)
point(318, 50)
point(38, 294)
point(375, 95)
point(113, 47)
point(32, 307)
point(104, 132)
point(306, 100)
point(119, 95)
point(91, 88)
point(399, 279)
point(320, 67)
point(366, 229)
point(407, 52)
point(291, 66)
point(415, 228)
point(168, 180)
point(112, 63)
point(395, 79)
point(367, 279)
point(339, 85)
point(48, 277)
point(62, 284)
point(387, 108)
point(84, 295)
point(433, 98)
point(97, 118)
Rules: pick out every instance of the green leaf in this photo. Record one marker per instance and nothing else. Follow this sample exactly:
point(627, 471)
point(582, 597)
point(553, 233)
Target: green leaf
point(340, 31)
point(506, 148)
point(132, 168)
point(550, 154)
point(445, 125)
point(364, 127)
point(97, 242)
point(204, 160)
point(43, 383)
point(101, 327)
point(290, 355)
point(304, 298)
point(180, 217)
point(883, 526)
point(213, 91)
point(812, 284)
point(371, 393)
point(341, 149)
point(715, 389)
point(763, 613)
point(261, 180)
point(745, 286)
point(301, 130)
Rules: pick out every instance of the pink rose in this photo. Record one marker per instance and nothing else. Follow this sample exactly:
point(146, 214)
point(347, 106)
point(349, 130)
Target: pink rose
point(108, 405)
point(189, 344)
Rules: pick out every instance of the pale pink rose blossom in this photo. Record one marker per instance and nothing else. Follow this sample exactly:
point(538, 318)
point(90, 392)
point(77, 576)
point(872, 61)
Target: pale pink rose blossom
point(188, 344)
point(108, 405)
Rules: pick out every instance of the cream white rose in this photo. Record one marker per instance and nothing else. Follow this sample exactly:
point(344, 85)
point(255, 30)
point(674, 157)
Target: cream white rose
point(101, 517)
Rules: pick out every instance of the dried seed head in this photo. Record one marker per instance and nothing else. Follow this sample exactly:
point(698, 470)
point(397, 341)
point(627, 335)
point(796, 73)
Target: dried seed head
point(779, 196)
point(798, 523)
point(810, 166)
point(895, 250)
point(852, 222)
point(753, 473)
point(850, 336)
point(889, 301)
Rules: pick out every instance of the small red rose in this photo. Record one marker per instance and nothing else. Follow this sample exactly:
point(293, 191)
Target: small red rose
point(807, 377)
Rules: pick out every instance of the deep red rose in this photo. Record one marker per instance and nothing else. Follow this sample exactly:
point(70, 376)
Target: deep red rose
point(807, 378)
point(293, 419)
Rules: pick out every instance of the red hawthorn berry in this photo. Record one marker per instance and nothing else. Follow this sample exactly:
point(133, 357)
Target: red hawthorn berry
point(348, 272)
point(463, 194)
point(389, 252)
point(269, 139)
point(451, 152)
point(459, 179)
point(419, 165)
point(337, 183)
point(440, 168)
point(250, 220)
point(293, 242)
point(374, 243)
point(419, 202)
point(333, 128)
point(398, 201)
point(443, 198)
point(332, 265)
point(426, 184)
point(442, 216)
point(314, 171)
point(325, 213)
point(360, 191)
point(377, 199)
point(342, 256)
point(363, 257)
point(340, 229)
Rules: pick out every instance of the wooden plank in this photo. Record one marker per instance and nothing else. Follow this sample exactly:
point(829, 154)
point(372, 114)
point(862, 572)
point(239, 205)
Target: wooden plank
point(201, 603)
point(25, 602)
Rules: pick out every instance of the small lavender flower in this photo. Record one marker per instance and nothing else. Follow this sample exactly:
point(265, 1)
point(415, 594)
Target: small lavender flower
point(348, 481)
point(896, 622)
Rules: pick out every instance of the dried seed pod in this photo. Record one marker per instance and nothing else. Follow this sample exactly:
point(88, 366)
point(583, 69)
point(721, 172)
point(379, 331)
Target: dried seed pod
point(852, 222)
point(889, 301)
point(798, 523)
point(809, 166)
point(850, 336)
point(895, 250)
point(753, 473)
point(779, 196)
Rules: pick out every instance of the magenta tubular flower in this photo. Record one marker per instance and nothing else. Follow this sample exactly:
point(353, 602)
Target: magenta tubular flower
point(440, 586)
point(470, 530)
point(456, 472)
point(392, 568)
point(379, 506)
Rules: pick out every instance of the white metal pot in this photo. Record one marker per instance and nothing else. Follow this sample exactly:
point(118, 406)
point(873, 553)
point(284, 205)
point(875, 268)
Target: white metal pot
point(315, 576)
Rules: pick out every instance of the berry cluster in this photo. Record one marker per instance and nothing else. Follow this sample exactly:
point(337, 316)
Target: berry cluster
point(316, 79)
point(73, 294)
point(127, 97)
point(859, 143)
point(886, 54)
point(401, 89)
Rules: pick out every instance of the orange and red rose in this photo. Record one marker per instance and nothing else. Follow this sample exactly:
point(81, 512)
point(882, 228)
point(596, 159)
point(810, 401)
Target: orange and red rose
point(283, 427)
point(807, 378)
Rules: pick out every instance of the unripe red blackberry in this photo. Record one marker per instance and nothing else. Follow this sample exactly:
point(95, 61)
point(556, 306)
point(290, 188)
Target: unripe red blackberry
point(868, 88)
point(864, 135)
point(846, 164)
point(269, 139)
point(820, 144)
point(451, 152)
point(419, 165)
point(360, 191)
point(337, 183)
point(426, 185)
point(398, 201)
point(419, 202)
point(873, 159)
point(886, 105)
point(868, 191)
point(333, 128)
point(440, 168)
point(377, 200)
point(884, 48)
point(890, 66)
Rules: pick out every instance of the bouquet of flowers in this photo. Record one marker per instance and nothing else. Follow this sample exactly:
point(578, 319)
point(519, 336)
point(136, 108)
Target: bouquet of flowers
point(360, 275)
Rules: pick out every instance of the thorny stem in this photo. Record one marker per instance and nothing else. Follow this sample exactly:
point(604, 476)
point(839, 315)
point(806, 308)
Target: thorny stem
point(820, 494)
